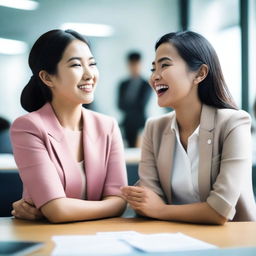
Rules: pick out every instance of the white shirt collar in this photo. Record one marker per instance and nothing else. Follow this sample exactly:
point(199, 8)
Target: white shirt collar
point(175, 128)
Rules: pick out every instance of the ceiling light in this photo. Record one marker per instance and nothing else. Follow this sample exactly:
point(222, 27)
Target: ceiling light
point(12, 47)
point(89, 29)
point(20, 4)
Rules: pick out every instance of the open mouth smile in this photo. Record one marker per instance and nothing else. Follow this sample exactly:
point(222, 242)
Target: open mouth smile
point(86, 87)
point(161, 89)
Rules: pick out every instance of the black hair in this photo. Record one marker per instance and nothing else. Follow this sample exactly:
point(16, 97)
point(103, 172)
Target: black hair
point(45, 54)
point(133, 57)
point(196, 50)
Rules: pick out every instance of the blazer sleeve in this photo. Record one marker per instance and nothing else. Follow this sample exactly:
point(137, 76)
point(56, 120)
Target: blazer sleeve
point(39, 176)
point(235, 165)
point(148, 173)
point(116, 169)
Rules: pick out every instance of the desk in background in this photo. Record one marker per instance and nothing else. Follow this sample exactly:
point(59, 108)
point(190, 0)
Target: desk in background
point(7, 162)
point(232, 234)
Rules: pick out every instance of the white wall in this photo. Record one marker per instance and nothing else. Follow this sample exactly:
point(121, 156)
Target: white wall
point(137, 23)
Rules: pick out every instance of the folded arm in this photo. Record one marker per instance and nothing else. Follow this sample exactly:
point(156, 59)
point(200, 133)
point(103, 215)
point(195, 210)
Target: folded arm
point(71, 209)
point(147, 203)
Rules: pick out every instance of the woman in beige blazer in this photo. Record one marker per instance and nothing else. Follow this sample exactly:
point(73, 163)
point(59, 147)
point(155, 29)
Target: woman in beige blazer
point(196, 161)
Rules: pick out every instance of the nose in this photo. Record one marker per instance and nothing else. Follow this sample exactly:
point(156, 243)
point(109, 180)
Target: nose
point(154, 78)
point(88, 74)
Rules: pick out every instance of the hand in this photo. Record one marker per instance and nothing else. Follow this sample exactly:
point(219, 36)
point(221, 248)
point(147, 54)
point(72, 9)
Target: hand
point(26, 210)
point(144, 201)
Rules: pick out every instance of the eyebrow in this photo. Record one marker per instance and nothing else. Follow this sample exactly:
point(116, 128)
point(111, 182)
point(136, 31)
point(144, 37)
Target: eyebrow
point(161, 60)
point(78, 58)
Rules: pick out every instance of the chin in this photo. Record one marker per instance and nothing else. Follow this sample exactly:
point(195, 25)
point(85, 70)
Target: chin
point(163, 105)
point(88, 100)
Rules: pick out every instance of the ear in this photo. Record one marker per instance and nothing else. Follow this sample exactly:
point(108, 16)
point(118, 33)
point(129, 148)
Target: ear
point(201, 73)
point(46, 78)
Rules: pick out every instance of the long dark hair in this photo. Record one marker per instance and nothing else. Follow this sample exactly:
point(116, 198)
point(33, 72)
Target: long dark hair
point(195, 50)
point(45, 55)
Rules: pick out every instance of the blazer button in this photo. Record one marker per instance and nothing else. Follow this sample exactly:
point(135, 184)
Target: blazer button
point(209, 141)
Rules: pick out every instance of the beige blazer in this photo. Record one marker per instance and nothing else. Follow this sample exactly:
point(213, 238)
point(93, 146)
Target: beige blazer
point(225, 168)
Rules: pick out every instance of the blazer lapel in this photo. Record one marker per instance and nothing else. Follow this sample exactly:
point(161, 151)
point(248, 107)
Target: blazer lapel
point(206, 133)
point(165, 160)
point(72, 184)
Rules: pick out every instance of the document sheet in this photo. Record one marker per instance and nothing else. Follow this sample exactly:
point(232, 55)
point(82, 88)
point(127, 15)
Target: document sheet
point(125, 242)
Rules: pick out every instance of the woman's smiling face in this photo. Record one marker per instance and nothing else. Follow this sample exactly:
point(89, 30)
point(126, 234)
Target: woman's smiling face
point(171, 78)
point(77, 75)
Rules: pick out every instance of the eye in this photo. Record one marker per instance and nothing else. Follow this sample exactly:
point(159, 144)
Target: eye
point(93, 64)
point(164, 65)
point(76, 65)
point(152, 69)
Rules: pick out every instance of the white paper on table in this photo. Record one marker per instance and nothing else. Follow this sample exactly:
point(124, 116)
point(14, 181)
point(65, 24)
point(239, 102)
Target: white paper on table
point(118, 234)
point(166, 242)
point(89, 245)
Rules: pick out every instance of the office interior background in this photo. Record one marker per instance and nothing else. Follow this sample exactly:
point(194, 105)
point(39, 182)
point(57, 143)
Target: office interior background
point(130, 25)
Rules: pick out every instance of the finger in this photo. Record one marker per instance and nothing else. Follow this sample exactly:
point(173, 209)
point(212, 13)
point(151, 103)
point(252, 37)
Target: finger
point(135, 199)
point(29, 201)
point(17, 203)
point(24, 215)
point(23, 210)
point(132, 191)
point(29, 208)
point(32, 211)
point(137, 189)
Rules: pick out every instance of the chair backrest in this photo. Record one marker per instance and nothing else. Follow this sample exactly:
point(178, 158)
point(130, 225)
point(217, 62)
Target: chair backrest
point(10, 190)
point(5, 142)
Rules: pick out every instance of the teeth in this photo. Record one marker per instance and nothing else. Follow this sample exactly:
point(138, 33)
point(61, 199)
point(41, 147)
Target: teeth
point(84, 86)
point(159, 87)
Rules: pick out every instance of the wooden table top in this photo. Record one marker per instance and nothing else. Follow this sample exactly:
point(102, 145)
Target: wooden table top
point(232, 234)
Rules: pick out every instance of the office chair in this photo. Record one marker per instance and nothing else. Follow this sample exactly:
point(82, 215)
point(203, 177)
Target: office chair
point(10, 190)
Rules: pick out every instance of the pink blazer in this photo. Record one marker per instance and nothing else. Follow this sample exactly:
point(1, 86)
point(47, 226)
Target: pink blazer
point(44, 159)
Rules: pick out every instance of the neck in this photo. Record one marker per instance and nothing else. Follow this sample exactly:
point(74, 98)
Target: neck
point(70, 117)
point(188, 121)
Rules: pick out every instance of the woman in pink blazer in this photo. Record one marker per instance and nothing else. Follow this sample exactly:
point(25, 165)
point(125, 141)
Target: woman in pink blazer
point(196, 161)
point(70, 159)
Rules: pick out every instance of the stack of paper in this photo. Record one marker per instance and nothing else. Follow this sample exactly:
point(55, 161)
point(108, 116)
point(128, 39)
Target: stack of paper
point(124, 242)
point(166, 242)
point(89, 245)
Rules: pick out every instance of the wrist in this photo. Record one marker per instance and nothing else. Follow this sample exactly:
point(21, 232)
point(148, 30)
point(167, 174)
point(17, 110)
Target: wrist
point(161, 212)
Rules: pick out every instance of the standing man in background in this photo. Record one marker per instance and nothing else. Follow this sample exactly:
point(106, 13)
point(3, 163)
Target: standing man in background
point(133, 96)
point(5, 141)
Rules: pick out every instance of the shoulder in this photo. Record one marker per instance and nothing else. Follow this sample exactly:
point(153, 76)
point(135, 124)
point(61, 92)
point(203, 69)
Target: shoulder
point(124, 82)
point(161, 123)
point(145, 82)
point(32, 121)
point(232, 117)
point(26, 121)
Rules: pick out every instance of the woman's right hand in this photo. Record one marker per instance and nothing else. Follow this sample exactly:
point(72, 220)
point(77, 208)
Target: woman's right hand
point(26, 210)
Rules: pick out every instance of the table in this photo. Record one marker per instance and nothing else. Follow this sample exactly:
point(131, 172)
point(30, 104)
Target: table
point(232, 234)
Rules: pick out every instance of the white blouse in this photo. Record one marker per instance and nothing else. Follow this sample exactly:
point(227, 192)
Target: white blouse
point(184, 180)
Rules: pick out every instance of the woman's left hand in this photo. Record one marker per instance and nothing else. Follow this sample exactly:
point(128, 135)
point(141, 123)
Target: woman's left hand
point(144, 201)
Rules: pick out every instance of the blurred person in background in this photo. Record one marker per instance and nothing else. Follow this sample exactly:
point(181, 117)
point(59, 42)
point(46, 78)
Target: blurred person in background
point(5, 142)
point(133, 96)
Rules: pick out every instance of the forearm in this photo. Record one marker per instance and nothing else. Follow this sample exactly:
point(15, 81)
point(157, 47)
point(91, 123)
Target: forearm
point(70, 209)
point(194, 213)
